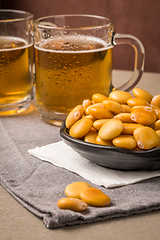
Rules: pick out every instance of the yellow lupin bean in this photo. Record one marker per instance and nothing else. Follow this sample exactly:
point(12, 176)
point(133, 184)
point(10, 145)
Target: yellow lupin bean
point(93, 130)
point(125, 141)
point(100, 113)
point(154, 107)
point(158, 145)
point(74, 189)
point(156, 101)
point(124, 117)
point(95, 105)
point(120, 96)
point(140, 93)
point(98, 98)
point(81, 128)
point(86, 103)
point(111, 129)
point(113, 106)
point(158, 133)
point(146, 108)
point(137, 102)
point(154, 110)
point(104, 142)
point(90, 117)
point(143, 117)
point(73, 204)
point(126, 108)
point(74, 115)
point(137, 148)
point(91, 137)
point(146, 137)
point(157, 111)
point(156, 125)
point(98, 123)
point(95, 197)
point(128, 128)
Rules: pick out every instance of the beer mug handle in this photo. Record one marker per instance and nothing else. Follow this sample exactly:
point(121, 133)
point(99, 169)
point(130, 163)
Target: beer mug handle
point(139, 59)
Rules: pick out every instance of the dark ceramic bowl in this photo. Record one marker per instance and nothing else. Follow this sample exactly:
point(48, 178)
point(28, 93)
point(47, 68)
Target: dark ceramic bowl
point(113, 157)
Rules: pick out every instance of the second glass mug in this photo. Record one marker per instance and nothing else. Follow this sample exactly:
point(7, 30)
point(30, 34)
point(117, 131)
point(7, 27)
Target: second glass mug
point(73, 60)
point(16, 61)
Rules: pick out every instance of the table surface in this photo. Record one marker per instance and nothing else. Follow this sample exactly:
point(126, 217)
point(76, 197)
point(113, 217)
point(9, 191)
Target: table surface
point(17, 223)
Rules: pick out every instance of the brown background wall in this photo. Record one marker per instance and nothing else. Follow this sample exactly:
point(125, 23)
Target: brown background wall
point(140, 18)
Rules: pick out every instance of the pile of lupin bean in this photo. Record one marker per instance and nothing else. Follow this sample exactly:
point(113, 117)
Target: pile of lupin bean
point(121, 120)
point(80, 195)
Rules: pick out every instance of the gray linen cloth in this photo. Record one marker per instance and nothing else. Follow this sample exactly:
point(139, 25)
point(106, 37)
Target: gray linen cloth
point(38, 185)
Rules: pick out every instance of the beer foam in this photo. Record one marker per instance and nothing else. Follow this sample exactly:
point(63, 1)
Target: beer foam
point(5, 43)
point(72, 42)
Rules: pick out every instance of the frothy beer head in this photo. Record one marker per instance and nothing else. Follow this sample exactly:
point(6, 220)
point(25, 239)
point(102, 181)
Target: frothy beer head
point(72, 44)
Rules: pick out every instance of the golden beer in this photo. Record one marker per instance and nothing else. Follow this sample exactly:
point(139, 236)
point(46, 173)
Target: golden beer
point(70, 69)
point(15, 71)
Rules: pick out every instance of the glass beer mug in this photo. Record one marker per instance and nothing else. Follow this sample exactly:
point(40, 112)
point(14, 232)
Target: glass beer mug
point(73, 60)
point(16, 61)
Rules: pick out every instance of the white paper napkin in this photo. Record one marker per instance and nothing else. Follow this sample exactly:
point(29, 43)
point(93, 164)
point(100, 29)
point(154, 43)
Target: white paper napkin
point(61, 155)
